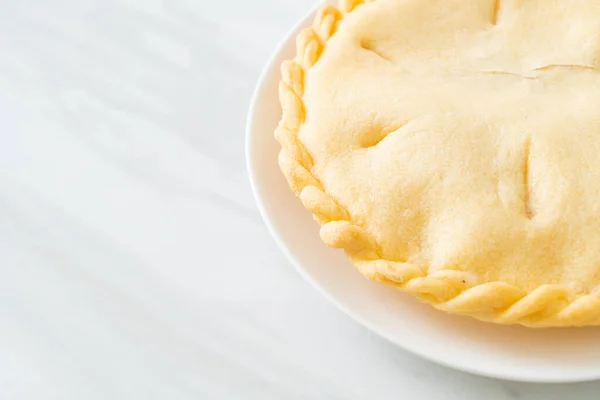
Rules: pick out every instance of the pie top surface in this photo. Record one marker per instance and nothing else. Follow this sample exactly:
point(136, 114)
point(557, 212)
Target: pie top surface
point(452, 147)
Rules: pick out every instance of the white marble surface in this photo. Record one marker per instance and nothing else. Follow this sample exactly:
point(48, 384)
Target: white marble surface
point(134, 262)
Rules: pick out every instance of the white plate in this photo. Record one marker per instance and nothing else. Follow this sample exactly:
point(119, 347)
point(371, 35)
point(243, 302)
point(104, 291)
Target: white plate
point(514, 353)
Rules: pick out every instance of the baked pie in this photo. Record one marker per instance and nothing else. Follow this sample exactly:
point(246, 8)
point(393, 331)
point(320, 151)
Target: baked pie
point(452, 149)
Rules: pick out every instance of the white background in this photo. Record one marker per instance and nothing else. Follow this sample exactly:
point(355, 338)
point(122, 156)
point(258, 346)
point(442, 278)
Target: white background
point(134, 264)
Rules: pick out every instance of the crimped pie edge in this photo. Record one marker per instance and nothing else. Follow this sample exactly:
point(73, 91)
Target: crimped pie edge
point(456, 292)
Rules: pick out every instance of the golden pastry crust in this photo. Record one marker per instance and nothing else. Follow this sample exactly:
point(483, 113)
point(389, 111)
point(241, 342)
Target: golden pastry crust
point(448, 147)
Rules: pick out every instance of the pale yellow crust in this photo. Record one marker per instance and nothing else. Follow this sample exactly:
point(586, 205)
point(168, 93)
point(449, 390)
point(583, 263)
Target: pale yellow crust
point(453, 291)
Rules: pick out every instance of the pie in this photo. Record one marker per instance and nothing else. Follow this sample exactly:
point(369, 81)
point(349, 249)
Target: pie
point(452, 149)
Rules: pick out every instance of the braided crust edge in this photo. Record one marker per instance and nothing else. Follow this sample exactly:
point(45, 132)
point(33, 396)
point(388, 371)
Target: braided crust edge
point(456, 292)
